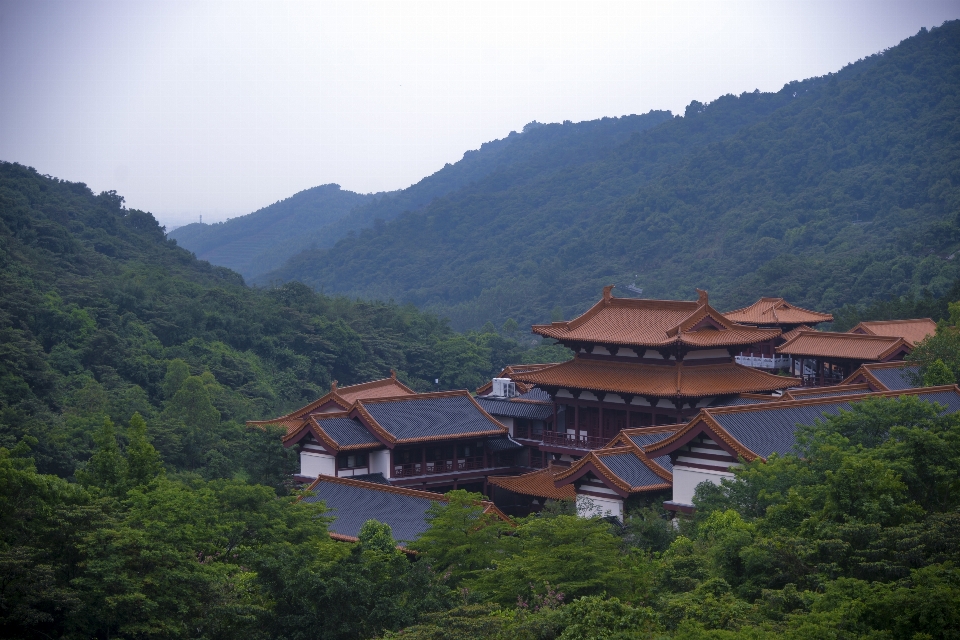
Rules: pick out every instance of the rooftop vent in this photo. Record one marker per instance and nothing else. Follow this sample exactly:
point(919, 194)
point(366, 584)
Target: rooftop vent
point(504, 388)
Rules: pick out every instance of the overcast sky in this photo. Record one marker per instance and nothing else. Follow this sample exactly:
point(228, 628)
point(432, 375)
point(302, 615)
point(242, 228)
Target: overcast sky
point(220, 108)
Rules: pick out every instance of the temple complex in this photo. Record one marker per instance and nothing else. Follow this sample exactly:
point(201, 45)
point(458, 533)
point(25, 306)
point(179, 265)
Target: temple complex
point(642, 363)
point(825, 357)
point(660, 396)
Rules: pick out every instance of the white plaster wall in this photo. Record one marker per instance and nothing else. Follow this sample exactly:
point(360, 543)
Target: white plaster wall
point(589, 506)
point(686, 479)
point(379, 462)
point(507, 422)
point(359, 471)
point(316, 464)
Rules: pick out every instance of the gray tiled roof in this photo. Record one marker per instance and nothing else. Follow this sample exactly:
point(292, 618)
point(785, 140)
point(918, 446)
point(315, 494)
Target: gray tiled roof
point(643, 439)
point(511, 409)
point(896, 379)
point(345, 431)
point(504, 443)
point(352, 506)
point(737, 401)
point(536, 394)
point(766, 431)
point(413, 418)
point(665, 462)
point(631, 470)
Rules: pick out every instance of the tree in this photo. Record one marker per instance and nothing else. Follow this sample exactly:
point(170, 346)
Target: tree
point(177, 372)
point(571, 555)
point(107, 469)
point(143, 461)
point(937, 374)
point(461, 540)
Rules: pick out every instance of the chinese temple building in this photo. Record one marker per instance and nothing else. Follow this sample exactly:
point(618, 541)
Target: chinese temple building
point(913, 331)
point(774, 313)
point(710, 445)
point(642, 363)
point(824, 357)
point(886, 376)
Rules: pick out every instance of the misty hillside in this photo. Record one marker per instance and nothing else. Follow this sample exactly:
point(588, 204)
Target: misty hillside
point(262, 241)
point(835, 190)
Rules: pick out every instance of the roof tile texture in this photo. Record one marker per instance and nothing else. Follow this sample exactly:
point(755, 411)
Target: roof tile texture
point(851, 346)
point(913, 331)
point(682, 380)
point(537, 483)
point(431, 416)
point(774, 311)
point(653, 323)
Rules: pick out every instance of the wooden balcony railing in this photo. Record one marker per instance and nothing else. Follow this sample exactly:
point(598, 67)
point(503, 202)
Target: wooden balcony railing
point(439, 466)
point(574, 441)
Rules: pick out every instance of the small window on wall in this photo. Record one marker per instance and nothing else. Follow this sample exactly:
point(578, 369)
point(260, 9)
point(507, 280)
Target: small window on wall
point(352, 460)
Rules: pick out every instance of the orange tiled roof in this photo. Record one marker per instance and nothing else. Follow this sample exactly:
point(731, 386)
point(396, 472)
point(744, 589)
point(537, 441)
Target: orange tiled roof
point(795, 332)
point(344, 397)
point(850, 346)
point(654, 323)
point(913, 331)
point(680, 380)
point(773, 311)
point(537, 483)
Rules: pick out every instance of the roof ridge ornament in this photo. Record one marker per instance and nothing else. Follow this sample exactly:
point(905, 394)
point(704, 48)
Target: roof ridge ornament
point(703, 298)
point(607, 293)
point(393, 374)
point(333, 386)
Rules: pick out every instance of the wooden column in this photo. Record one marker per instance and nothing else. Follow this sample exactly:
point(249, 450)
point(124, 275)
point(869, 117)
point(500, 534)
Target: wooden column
point(423, 460)
point(576, 418)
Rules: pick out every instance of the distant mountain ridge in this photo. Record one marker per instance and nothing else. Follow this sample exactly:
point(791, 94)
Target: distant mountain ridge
point(317, 218)
point(834, 190)
point(265, 239)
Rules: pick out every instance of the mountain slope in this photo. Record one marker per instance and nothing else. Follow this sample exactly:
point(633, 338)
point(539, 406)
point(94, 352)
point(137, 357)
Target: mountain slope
point(264, 239)
point(834, 190)
point(102, 316)
point(319, 217)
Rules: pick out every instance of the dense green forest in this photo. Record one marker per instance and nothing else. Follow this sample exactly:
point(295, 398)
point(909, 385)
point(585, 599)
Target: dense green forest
point(317, 218)
point(265, 239)
point(101, 316)
point(856, 536)
point(838, 190)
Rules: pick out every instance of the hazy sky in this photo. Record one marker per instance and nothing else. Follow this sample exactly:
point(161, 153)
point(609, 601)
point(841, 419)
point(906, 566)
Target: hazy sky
point(219, 108)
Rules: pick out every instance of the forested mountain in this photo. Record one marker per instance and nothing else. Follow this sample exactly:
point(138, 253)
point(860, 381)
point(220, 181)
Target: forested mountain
point(835, 190)
point(265, 239)
point(262, 241)
point(101, 317)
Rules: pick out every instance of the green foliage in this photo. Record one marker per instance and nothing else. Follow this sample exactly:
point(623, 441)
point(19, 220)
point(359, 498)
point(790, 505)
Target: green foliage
point(938, 374)
point(571, 555)
point(462, 541)
point(102, 317)
point(944, 348)
point(827, 192)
